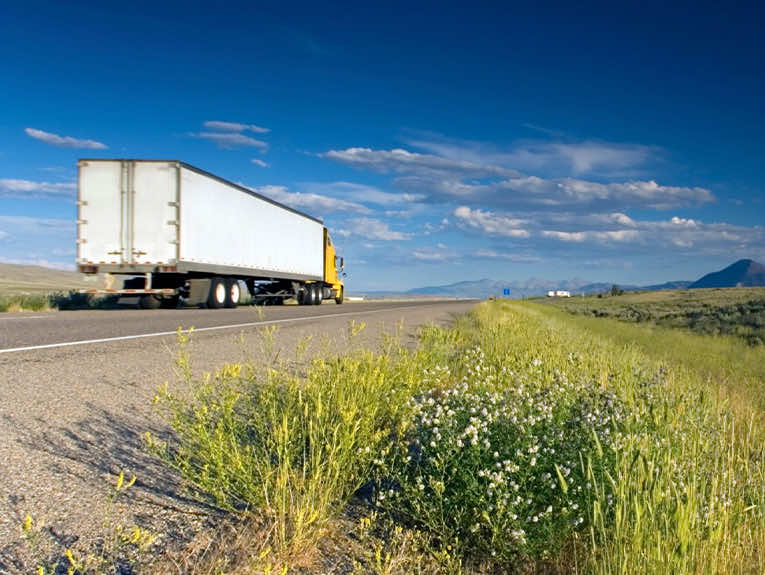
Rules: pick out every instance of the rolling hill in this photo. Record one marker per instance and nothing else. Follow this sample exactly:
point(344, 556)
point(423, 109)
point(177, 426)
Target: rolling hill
point(17, 279)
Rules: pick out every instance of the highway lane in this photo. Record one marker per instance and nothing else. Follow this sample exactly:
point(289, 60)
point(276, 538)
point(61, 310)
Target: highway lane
point(71, 418)
point(31, 330)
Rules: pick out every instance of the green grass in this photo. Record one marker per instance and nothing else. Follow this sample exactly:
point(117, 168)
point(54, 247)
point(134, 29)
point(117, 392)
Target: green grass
point(30, 302)
point(522, 439)
point(738, 312)
point(54, 301)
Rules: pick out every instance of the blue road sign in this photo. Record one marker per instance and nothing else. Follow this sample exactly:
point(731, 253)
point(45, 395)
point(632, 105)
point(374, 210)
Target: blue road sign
point(506, 291)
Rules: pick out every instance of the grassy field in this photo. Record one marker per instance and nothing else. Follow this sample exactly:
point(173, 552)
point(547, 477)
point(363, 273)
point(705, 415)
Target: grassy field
point(719, 311)
point(524, 439)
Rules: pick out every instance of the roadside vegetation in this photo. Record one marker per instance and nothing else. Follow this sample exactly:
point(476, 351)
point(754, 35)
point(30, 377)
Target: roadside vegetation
point(54, 301)
point(25, 302)
point(738, 312)
point(520, 440)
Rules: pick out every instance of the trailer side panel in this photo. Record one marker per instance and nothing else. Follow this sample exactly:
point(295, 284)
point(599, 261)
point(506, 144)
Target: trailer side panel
point(221, 225)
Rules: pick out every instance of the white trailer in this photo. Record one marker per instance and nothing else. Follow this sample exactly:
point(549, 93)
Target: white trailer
point(191, 235)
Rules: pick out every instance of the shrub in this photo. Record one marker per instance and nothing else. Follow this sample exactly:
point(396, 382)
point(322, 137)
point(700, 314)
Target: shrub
point(504, 473)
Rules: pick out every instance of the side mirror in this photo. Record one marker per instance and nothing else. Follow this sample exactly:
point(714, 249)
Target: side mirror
point(345, 275)
point(342, 263)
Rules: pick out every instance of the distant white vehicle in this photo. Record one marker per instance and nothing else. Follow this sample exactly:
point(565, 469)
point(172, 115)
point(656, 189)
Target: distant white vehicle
point(558, 293)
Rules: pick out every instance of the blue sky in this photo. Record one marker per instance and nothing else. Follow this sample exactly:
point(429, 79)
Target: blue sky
point(439, 142)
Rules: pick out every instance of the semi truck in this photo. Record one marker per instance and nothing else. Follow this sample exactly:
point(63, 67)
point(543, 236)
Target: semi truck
point(188, 237)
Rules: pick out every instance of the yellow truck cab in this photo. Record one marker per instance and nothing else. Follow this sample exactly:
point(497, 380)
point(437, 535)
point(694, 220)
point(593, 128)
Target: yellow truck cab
point(333, 267)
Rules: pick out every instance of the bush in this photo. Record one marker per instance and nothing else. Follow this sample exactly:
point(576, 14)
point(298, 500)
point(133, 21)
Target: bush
point(504, 473)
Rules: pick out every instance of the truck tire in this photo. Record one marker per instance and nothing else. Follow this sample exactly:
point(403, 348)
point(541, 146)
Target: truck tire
point(339, 296)
point(149, 301)
point(233, 293)
point(170, 302)
point(318, 294)
point(304, 295)
point(218, 293)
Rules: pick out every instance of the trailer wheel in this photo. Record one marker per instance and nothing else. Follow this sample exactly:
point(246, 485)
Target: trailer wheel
point(218, 293)
point(149, 301)
point(170, 303)
point(233, 292)
point(339, 297)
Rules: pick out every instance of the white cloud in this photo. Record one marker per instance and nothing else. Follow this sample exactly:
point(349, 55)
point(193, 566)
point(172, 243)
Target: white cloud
point(404, 161)
point(490, 223)
point(571, 192)
point(28, 189)
point(64, 141)
point(309, 202)
point(686, 223)
point(219, 126)
point(260, 163)
point(228, 140)
point(430, 228)
point(481, 179)
point(3, 234)
point(676, 232)
point(585, 157)
point(372, 229)
point(439, 253)
point(363, 193)
point(508, 256)
point(611, 235)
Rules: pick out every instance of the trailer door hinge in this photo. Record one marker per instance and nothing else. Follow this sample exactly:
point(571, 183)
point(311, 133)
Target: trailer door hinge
point(172, 222)
point(172, 204)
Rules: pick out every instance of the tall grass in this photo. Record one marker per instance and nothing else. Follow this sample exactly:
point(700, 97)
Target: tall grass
point(518, 440)
point(294, 448)
point(736, 371)
point(53, 301)
point(26, 302)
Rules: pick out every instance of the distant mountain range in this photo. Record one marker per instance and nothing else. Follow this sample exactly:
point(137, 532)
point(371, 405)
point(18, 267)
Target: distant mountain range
point(743, 272)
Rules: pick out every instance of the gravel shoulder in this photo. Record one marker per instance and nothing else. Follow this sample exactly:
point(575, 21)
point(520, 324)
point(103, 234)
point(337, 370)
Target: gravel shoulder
point(71, 420)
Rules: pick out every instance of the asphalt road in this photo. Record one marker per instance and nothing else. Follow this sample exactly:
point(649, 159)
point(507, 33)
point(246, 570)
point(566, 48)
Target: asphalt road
point(22, 331)
point(76, 394)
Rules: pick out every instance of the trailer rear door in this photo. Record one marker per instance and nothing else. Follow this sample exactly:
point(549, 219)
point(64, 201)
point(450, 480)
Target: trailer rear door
point(155, 212)
point(128, 212)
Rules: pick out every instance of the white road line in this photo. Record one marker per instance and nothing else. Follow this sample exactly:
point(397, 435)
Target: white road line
point(197, 329)
point(26, 317)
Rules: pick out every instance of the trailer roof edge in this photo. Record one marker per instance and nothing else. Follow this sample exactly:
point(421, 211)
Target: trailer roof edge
point(210, 175)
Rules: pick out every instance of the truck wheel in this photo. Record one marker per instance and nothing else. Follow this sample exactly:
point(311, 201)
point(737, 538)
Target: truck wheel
point(233, 291)
point(170, 303)
point(218, 293)
point(339, 297)
point(149, 301)
point(304, 295)
point(317, 295)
